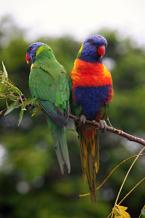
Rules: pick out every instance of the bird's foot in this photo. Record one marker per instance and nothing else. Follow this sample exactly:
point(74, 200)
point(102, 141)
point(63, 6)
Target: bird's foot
point(103, 124)
point(94, 122)
point(83, 119)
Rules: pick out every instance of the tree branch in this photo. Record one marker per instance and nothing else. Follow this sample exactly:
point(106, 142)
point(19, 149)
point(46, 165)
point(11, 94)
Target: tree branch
point(112, 130)
point(92, 123)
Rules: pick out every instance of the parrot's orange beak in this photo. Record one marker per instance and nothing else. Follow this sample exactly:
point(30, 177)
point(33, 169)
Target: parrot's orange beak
point(27, 58)
point(101, 50)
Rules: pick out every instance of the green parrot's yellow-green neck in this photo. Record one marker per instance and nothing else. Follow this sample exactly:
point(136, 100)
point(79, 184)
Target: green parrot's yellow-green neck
point(44, 53)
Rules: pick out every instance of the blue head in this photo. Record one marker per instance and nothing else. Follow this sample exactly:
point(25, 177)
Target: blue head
point(31, 51)
point(93, 49)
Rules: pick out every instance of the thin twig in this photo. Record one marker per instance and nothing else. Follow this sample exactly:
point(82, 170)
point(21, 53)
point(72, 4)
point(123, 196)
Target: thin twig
point(125, 178)
point(110, 174)
point(112, 130)
point(137, 184)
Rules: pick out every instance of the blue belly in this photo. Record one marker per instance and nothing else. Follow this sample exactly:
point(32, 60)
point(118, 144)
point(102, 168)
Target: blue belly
point(91, 99)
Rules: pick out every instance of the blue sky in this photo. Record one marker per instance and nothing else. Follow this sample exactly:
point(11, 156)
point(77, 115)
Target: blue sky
point(78, 17)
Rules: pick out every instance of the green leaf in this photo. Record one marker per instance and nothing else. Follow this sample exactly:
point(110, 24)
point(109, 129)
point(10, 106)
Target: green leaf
point(11, 108)
point(21, 116)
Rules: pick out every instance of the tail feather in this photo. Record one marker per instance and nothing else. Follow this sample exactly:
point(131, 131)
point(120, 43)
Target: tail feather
point(61, 148)
point(59, 157)
point(89, 150)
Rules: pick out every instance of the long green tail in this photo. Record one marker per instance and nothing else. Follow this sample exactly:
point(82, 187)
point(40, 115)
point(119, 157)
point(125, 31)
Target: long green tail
point(57, 122)
point(61, 149)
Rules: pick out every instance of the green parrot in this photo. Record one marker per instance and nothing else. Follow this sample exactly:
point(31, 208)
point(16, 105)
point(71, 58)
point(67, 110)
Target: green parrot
point(49, 84)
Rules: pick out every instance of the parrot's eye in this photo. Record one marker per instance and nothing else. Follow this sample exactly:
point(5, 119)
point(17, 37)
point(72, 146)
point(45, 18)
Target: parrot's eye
point(30, 49)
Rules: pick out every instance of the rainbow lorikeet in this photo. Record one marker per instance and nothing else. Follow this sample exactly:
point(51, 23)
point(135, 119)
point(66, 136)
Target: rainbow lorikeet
point(91, 92)
point(48, 83)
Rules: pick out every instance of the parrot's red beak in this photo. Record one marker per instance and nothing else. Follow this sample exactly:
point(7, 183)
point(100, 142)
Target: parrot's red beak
point(101, 50)
point(27, 58)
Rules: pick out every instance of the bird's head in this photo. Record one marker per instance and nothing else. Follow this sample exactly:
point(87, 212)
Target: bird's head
point(33, 50)
point(93, 49)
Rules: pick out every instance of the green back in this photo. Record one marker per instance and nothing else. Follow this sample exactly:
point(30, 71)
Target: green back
point(48, 80)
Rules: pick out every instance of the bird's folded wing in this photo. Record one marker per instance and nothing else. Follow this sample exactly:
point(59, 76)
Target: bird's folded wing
point(50, 94)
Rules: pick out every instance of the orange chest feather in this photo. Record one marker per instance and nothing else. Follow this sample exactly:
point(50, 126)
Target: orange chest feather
point(90, 74)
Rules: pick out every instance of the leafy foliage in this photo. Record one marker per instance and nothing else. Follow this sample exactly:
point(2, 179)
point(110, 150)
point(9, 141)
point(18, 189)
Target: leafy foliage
point(14, 98)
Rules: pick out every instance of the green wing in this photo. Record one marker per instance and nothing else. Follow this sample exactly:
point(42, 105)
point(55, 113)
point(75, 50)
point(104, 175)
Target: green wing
point(52, 91)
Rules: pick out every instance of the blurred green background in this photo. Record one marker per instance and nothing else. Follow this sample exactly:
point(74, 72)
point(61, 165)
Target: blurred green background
point(30, 181)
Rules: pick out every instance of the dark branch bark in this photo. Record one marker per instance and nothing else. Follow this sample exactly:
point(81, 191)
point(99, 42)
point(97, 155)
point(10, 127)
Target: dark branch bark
point(112, 130)
point(97, 125)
